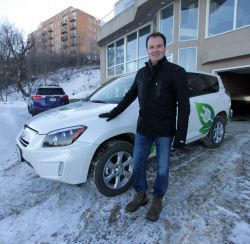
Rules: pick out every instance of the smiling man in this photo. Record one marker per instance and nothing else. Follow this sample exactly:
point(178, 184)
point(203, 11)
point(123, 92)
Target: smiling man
point(161, 88)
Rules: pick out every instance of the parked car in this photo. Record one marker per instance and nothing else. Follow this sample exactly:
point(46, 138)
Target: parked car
point(46, 97)
point(69, 142)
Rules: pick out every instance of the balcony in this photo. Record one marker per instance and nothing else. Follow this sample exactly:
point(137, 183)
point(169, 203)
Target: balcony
point(73, 19)
point(50, 30)
point(50, 37)
point(64, 38)
point(64, 23)
point(119, 8)
point(73, 27)
point(64, 31)
point(129, 16)
point(73, 36)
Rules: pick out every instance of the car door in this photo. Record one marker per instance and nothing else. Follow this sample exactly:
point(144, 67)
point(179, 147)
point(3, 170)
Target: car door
point(203, 101)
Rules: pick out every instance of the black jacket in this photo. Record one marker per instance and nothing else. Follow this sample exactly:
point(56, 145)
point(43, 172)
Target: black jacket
point(160, 90)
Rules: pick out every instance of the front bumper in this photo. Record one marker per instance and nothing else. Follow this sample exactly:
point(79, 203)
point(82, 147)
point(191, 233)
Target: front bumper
point(69, 164)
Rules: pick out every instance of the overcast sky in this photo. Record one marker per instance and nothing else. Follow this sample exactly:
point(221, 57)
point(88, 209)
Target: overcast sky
point(27, 14)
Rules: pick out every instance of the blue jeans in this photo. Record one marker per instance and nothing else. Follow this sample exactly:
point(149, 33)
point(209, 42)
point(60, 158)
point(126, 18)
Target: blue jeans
point(141, 152)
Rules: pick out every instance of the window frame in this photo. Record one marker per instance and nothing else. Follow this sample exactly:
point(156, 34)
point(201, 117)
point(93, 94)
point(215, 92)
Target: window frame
point(159, 21)
point(125, 62)
point(198, 24)
point(196, 55)
point(207, 36)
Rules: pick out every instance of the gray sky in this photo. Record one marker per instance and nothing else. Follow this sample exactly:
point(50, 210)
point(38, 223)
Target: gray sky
point(27, 14)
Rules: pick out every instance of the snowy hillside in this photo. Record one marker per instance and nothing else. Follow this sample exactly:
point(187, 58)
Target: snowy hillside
point(77, 83)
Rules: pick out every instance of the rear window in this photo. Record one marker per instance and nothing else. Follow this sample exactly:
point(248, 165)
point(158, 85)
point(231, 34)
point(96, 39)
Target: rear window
point(50, 91)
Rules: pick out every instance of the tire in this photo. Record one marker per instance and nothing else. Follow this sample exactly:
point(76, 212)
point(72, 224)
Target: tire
point(215, 136)
point(113, 168)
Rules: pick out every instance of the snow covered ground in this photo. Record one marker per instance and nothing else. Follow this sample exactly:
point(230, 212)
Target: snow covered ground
point(208, 200)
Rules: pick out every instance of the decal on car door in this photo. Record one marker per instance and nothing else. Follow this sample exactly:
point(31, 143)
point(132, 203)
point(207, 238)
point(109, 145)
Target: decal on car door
point(206, 116)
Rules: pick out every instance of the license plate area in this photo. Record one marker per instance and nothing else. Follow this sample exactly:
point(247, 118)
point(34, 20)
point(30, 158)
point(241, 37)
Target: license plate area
point(52, 99)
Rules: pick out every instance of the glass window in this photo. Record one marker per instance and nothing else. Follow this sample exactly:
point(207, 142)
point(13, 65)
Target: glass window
point(141, 62)
point(212, 83)
point(166, 22)
point(197, 86)
point(243, 13)
point(111, 71)
point(120, 61)
point(187, 58)
point(111, 55)
point(113, 91)
point(120, 51)
point(201, 84)
point(119, 69)
point(170, 57)
point(50, 91)
point(131, 46)
point(221, 16)
point(131, 66)
point(143, 33)
point(189, 19)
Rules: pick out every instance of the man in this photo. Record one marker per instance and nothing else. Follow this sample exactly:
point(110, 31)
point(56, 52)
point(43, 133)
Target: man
point(161, 87)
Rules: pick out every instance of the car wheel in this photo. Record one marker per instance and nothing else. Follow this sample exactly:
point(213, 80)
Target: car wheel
point(113, 168)
point(216, 133)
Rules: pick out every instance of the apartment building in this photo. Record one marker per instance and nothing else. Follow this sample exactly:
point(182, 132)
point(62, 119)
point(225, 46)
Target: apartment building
point(71, 31)
point(202, 35)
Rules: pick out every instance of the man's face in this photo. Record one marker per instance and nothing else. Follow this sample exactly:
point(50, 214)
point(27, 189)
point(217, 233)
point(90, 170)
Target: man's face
point(156, 49)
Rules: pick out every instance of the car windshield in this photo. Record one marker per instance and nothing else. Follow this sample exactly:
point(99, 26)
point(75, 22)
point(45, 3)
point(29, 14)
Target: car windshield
point(113, 91)
point(50, 91)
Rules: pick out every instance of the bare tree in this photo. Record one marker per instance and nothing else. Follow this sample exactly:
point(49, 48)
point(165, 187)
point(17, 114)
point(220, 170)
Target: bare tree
point(13, 50)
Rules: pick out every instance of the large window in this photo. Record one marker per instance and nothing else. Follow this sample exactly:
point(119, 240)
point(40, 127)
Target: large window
point(119, 69)
point(226, 15)
point(111, 59)
point(131, 52)
point(134, 46)
point(243, 13)
point(167, 22)
point(188, 58)
point(189, 19)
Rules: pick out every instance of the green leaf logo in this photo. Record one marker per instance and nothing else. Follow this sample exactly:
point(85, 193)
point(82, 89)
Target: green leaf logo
point(206, 115)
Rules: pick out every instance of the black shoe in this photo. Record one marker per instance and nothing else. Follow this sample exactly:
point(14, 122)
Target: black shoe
point(139, 200)
point(155, 209)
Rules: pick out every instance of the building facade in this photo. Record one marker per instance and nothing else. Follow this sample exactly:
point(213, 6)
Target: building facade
point(68, 32)
point(202, 35)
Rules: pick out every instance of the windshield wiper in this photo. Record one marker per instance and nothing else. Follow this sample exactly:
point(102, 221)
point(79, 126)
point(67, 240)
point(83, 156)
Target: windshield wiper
point(97, 101)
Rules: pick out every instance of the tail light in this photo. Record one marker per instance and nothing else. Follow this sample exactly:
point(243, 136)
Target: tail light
point(36, 98)
point(66, 97)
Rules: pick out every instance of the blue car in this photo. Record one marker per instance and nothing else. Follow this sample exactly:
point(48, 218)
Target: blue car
point(46, 97)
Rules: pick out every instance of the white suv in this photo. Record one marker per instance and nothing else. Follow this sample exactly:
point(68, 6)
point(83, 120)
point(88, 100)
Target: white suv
point(65, 143)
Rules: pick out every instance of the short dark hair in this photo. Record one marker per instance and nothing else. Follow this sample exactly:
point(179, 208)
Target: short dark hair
point(156, 34)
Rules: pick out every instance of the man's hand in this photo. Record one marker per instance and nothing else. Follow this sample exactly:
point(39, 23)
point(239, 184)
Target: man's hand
point(178, 143)
point(106, 115)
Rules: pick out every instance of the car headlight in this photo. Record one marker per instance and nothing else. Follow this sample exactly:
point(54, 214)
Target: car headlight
point(63, 137)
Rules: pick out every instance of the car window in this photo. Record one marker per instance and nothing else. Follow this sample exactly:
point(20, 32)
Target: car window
point(112, 92)
point(196, 85)
point(50, 91)
point(212, 83)
point(201, 84)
